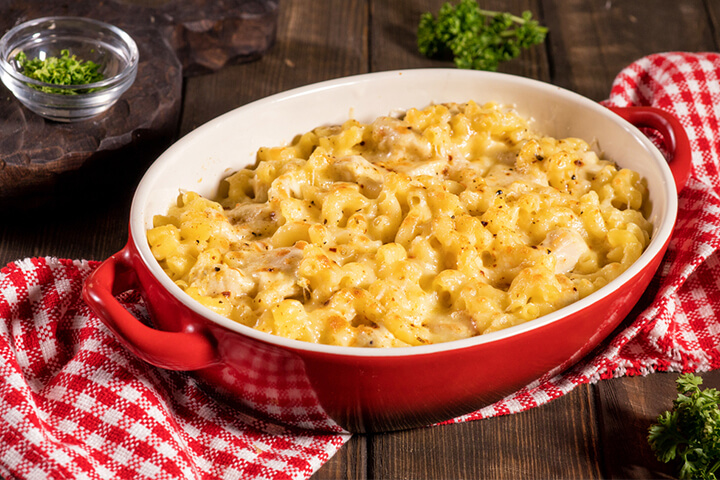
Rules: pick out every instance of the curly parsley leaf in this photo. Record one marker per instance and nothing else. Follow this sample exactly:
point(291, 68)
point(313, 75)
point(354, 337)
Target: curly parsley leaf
point(690, 432)
point(63, 70)
point(475, 38)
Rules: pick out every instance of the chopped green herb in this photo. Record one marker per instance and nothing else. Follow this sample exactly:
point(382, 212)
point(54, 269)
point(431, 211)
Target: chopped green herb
point(63, 70)
point(475, 38)
point(690, 432)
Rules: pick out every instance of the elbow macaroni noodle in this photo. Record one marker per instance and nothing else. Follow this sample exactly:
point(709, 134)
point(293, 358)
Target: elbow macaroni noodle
point(451, 221)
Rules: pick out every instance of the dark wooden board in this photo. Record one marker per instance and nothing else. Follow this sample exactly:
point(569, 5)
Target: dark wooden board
point(477, 445)
point(41, 160)
point(626, 413)
point(591, 41)
point(320, 40)
point(206, 35)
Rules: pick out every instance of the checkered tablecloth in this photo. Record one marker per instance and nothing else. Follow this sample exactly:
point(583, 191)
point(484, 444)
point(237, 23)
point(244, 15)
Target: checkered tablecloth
point(75, 404)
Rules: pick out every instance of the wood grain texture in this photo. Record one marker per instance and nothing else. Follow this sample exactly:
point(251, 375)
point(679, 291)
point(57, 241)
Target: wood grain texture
point(350, 463)
point(209, 35)
point(713, 21)
point(524, 445)
point(626, 411)
point(319, 40)
point(60, 232)
point(206, 35)
point(592, 40)
point(627, 407)
point(39, 158)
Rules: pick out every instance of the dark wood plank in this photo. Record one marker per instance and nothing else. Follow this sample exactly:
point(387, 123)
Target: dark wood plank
point(38, 157)
point(713, 9)
point(552, 441)
point(350, 462)
point(59, 231)
point(591, 41)
point(317, 41)
point(628, 406)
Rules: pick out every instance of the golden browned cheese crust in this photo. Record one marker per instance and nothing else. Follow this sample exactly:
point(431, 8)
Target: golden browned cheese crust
point(451, 221)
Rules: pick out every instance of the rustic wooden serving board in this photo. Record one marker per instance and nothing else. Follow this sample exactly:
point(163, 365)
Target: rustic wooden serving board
point(41, 160)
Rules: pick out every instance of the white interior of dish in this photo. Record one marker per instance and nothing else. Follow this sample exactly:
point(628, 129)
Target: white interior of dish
point(200, 160)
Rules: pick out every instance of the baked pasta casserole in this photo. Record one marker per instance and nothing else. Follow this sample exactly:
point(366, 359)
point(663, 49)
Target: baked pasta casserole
point(435, 225)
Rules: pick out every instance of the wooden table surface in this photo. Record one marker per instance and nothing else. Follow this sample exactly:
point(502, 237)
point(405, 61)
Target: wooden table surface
point(596, 431)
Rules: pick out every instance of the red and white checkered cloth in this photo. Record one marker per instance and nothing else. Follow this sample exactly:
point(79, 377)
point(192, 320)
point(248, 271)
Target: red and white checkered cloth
point(75, 404)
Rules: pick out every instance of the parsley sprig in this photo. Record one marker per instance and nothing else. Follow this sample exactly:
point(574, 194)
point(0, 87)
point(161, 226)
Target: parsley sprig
point(63, 70)
point(475, 38)
point(690, 432)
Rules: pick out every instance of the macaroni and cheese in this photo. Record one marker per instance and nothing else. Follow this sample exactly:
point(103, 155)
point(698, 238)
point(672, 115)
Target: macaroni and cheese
point(444, 223)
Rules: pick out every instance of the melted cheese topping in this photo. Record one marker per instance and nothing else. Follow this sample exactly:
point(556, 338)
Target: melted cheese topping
point(452, 221)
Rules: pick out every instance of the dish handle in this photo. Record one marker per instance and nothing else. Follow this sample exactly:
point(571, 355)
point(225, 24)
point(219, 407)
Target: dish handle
point(674, 137)
point(186, 350)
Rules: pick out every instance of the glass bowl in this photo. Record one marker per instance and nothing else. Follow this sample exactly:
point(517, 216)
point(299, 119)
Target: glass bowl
point(90, 40)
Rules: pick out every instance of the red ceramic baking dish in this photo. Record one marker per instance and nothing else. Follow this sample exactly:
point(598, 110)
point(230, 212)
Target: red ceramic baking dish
point(336, 388)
